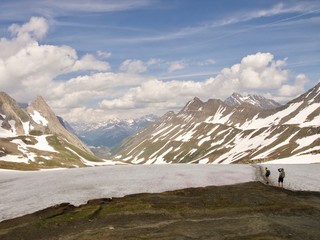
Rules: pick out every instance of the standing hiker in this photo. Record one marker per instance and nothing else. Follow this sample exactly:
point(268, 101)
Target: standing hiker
point(267, 175)
point(282, 174)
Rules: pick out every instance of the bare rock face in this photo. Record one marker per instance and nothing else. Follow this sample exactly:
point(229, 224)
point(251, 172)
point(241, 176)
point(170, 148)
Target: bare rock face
point(33, 138)
point(48, 122)
point(12, 115)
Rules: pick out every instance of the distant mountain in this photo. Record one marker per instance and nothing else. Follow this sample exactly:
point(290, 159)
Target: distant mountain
point(235, 131)
point(237, 99)
point(109, 133)
point(33, 138)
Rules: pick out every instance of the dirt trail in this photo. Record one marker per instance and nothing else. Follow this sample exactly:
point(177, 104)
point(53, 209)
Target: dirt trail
point(243, 211)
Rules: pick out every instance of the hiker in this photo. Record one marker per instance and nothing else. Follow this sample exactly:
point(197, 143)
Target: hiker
point(282, 174)
point(267, 175)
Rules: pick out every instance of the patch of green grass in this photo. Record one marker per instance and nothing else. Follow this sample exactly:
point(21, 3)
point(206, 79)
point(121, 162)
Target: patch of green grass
point(18, 166)
point(84, 154)
point(78, 214)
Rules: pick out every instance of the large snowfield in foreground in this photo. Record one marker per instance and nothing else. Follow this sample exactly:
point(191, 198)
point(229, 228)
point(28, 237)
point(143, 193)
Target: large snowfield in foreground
point(26, 192)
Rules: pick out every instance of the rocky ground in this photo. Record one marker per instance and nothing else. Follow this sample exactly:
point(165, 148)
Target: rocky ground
point(242, 211)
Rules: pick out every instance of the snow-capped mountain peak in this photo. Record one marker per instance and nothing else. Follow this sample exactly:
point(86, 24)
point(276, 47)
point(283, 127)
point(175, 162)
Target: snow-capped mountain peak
point(33, 137)
point(235, 131)
point(193, 105)
point(237, 99)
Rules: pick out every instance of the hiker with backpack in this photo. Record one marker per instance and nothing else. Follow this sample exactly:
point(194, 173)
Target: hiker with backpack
point(282, 175)
point(267, 175)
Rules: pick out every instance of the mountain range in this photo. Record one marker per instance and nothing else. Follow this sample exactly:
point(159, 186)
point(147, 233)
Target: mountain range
point(107, 135)
point(248, 129)
point(241, 129)
point(111, 132)
point(33, 138)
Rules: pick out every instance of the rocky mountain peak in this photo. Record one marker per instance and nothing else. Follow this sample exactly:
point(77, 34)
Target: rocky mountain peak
point(246, 132)
point(40, 107)
point(36, 135)
point(11, 111)
point(237, 99)
point(193, 105)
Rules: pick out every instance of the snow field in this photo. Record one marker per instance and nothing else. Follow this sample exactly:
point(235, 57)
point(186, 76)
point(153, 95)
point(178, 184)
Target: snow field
point(26, 192)
point(304, 177)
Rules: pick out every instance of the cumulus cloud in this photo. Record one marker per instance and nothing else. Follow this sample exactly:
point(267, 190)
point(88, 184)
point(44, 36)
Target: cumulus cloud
point(176, 65)
point(36, 28)
point(255, 73)
point(28, 68)
point(133, 66)
point(157, 94)
point(83, 89)
point(287, 90)
point(90, 62)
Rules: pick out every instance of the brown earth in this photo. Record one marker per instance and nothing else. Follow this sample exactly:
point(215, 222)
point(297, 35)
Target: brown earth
point(243, 211)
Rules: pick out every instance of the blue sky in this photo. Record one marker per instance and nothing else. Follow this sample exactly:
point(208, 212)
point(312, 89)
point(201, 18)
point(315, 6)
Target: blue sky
point(107, 59)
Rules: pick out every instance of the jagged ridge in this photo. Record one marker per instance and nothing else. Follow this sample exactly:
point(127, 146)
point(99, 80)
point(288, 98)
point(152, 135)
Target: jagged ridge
point(215, 132)
point(33, 138)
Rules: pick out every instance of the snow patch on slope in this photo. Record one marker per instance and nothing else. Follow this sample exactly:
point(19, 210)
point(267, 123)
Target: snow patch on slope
point(271, 120)
point(301, 117)
point(36, 116)
point(4, 133)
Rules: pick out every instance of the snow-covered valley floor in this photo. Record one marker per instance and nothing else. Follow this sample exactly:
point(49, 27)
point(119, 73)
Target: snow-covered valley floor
point(26, 192)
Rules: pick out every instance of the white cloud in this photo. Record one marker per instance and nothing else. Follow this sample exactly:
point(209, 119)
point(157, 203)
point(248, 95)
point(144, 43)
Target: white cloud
point(157, 94)
point(104, 54)
point(88, 88)
point(36, 28)
point(153, 61)
point(85, 114)
point(255, 73)
point(133, 66)
point(297, 88)
point(28, 68)
point(176, 65)
point(90, 62)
